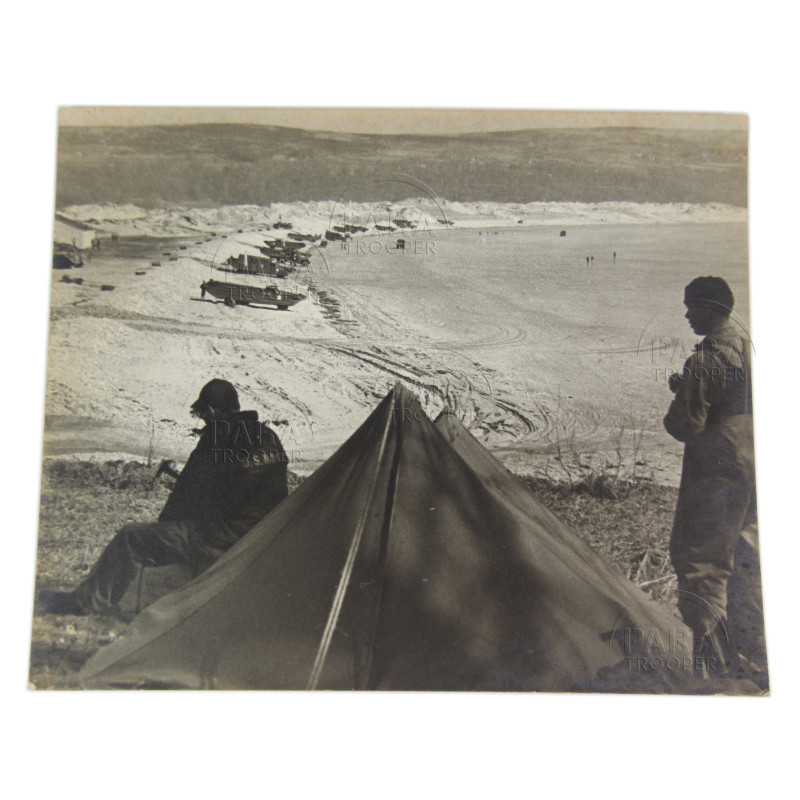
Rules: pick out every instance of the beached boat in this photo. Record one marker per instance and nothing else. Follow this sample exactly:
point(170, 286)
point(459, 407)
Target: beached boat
point(283, 258)
point(250, 265)
point(233, 294)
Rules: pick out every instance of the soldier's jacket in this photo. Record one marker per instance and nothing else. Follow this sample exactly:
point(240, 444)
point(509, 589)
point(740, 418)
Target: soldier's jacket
point(712, 408)
point(234, 477)
point(712, 414)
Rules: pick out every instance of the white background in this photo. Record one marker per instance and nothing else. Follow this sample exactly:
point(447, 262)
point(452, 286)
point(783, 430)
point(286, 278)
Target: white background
point(680, 56)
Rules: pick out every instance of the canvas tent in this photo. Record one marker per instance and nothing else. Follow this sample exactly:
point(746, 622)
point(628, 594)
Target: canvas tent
point(410, 560)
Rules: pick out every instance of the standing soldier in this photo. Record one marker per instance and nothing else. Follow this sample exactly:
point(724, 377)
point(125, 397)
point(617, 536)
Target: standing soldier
point(714, 543)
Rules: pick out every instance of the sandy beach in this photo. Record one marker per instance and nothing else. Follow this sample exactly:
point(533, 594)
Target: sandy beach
point(546, 344)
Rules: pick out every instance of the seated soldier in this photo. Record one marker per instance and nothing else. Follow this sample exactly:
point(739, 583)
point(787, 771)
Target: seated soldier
point(233, 478)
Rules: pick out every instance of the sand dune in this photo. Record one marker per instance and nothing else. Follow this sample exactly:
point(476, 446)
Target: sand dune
point(316, 217)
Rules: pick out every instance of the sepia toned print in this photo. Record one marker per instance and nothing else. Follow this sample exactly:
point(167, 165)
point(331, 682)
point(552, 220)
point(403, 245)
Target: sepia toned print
point(399, 400)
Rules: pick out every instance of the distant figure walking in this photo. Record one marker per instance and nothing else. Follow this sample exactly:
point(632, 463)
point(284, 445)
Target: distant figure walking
point(615, 255)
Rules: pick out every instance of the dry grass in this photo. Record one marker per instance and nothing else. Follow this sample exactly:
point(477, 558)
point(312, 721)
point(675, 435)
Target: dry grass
point(82, 506)
point(628, 522)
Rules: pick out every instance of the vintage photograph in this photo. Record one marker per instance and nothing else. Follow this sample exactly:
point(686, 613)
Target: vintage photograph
point(409, 400)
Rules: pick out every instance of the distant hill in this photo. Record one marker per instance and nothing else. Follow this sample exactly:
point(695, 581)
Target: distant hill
point(210, 165)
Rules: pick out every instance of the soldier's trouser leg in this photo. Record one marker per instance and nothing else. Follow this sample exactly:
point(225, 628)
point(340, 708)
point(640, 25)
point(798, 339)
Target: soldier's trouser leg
point(135, 546)
point(745, 607)
point(708, 522)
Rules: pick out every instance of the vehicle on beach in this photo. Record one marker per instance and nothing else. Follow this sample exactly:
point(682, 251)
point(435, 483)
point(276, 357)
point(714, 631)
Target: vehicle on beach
point(233, 294)
point(302, 237)
point(62, 261)
point(350, 228)
point(251, 265)
point(286, 258)
point(285, 253)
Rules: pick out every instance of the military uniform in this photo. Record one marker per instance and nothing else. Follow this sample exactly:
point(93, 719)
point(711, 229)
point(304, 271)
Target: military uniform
point(714, 542)
point(233, 478)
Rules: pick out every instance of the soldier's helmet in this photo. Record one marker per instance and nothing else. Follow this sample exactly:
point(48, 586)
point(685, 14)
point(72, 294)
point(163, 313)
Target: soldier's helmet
point(217, 394)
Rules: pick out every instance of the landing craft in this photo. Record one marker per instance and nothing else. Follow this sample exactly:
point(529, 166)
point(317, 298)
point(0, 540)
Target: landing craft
point(286, 257)
point(236, 293)
point(250, 265)
point(253, 289)
point(284, 244)
point(351, 228)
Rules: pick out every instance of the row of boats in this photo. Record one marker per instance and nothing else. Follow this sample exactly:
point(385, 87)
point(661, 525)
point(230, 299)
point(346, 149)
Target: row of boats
point(250, 278)
point(257, 275)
